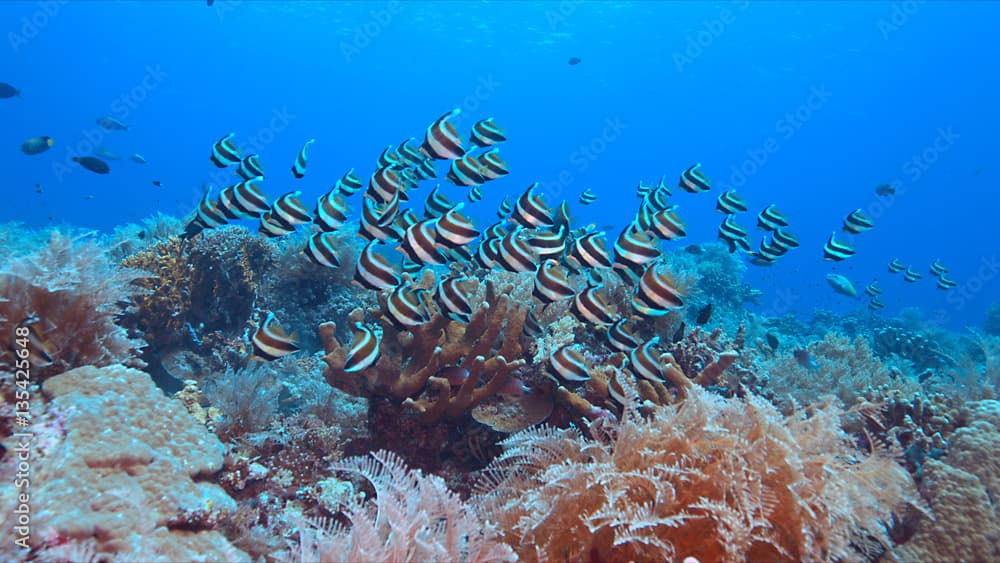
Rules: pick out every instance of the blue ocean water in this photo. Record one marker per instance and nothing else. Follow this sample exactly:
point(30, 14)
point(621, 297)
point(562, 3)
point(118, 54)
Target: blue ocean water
point(805, 105)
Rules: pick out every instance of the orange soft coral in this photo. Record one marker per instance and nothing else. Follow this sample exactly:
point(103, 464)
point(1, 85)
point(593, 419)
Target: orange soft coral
point(713, 478)
point(75, 292)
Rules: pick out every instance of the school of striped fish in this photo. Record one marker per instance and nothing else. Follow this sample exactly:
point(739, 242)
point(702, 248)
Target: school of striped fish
point(531, 237)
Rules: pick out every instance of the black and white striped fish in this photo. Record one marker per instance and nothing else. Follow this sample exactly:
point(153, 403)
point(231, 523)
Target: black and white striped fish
point(270, 341)
point(224, 152)
point(299, 166)
point(364, 350)
point(441, 141)
point(835, 251)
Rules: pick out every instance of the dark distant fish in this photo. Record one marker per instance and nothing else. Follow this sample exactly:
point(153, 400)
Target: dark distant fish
point(695, 249)
point(111, 124)
point(573, 61)
point(884, 190)
point(36, 145)
point(38, 188)
point(805, 359)
point(299, 166)
point(209, 3)
point(704, 314)
point(588, 197)
point(92, 163)
point(157, 183)
point(138, 158)
point(8, 91)
point(772, 340)
point(679, 333)
point(857, 222)
point(271, 342)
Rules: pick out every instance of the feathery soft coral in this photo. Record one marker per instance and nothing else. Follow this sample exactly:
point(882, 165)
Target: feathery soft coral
point(712, 478)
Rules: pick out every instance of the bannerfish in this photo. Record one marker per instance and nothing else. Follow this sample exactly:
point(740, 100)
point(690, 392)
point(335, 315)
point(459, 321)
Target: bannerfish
point(8, 91)
point(573, 61)
point(111, 124)
point(884, 190)
point(137, 158)
point(841, 285)
point(36, 145)
point(92, 163)
point(270, 341)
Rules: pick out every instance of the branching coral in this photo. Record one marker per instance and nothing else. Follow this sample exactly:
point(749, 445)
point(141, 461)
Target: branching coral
point(413, 518)
point(487, 347)
point(73, 290)
point(712, 478)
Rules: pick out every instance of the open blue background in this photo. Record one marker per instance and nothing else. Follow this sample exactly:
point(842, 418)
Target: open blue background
point(873, 86)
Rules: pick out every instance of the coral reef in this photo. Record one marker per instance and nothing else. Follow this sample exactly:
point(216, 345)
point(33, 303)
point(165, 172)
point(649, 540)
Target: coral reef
point(991, 324)
point(486, 349)
point(840, 366)
point(414, 517)
point(961, 489)
point(123, 478)
point(71, 294)
point(209, 283)
point(714, 478)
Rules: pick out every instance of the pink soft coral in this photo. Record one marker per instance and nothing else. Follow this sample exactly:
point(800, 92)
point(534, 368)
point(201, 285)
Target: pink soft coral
point(414, 518)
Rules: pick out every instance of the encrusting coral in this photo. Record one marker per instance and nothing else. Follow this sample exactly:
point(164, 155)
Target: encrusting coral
point(711, 478)
point(71, 294)
point(487, 350)
point(133, 472)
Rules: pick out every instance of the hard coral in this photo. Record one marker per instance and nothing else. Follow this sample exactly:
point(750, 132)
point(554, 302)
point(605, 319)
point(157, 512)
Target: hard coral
point(487, 347)
point(712, 478)
point(76, 294)
point(132, 473)
point(210, 283)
